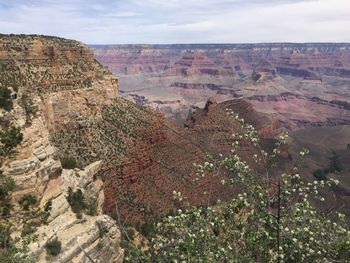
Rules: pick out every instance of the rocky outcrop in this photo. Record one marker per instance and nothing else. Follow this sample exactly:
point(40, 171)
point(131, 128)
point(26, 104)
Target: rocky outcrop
point(299, 73)
point(195, 64)
point(295, 111)
point(89, 238)
point(59, 88)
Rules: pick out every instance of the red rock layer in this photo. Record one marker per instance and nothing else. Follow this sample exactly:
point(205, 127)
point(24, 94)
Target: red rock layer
point(161, 162)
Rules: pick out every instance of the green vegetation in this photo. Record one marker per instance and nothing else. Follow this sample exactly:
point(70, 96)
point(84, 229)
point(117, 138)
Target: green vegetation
point(7, 185)
point(91, 207)
point(79, 204)
point(28, 105)
point(110, 136)
point(53, 247)
point(11, 250)
point(5, 232)
point(335, 166)
point(28, 229)
point(5, 99)
point(321, 174)
point(76, 201)
point(272, 220)
point(68, 162)
point(27, 201)
point(48, 206)
point(9, 140)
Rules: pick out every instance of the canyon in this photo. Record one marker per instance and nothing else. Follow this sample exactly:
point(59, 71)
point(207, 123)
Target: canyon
point(303, 85)
point(129, 157)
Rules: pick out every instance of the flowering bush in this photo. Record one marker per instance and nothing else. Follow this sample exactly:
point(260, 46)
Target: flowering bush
point(272, 220)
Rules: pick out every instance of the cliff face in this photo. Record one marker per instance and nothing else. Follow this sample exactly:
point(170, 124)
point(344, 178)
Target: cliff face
point(58, 85)
point(295, 111)
point(189, 74)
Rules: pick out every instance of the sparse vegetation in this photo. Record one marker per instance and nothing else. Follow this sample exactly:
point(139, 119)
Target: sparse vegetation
point(53, 247)
point(48, 206)
point(321, 174)
point(28, 229)
point(68, 162)
point(271, 220)
point(91, 207)
point(9, 140)
point(5, 99)
point(335, 166)
point(7, 185)
point(28, 105)
point(76, 201)
point(27, 201)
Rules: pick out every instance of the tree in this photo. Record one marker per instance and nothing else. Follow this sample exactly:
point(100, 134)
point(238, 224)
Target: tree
point(76, 201)
point(5, 99)
point(7, 185)
point(53, 247)
point(12, 250)
point(68, 162)
point(272, 220)
point(26, 201)
point(10, 139)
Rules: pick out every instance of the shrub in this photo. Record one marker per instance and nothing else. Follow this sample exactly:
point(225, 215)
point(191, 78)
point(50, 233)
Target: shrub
point(320, 174)
point(91, 207)
point(28, 229)
point(147, 229)
point(5, 209)
point(335, 165)
point(272, 220)
point(7, 185)
point(48, 206)
point(5, 235)
point(26, 201)
point(10, 139)
point(5, 99)
point(28, 105)
point(53, 247)
point(68, 162)
point(76, 201)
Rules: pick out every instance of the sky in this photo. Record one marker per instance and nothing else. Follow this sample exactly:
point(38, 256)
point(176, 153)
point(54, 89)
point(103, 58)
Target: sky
point(180, 21)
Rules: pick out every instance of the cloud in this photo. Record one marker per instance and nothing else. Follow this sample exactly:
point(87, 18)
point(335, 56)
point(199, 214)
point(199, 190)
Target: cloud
point(175, 21)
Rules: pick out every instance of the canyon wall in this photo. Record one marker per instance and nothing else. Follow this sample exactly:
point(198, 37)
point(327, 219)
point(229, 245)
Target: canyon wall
point(56, 86)
point(176, 78)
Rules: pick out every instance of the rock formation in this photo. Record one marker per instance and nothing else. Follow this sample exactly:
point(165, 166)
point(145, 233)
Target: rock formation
point(192, 73)
point(95, 237)
point(59, 87)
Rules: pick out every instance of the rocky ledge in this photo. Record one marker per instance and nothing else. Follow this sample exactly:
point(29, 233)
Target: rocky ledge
point(87, 239)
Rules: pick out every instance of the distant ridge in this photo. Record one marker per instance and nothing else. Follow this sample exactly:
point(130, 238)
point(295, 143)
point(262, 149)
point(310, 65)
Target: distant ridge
point(231, 46)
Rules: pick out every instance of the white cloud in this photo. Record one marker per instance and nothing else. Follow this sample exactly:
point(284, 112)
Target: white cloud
point(175, 21)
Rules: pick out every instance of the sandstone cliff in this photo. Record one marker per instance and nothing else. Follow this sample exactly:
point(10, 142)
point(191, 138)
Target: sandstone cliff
point(58, 86)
